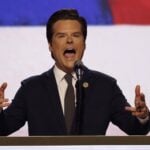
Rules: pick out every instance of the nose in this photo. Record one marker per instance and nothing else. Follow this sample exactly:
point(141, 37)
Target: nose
point(69, 39)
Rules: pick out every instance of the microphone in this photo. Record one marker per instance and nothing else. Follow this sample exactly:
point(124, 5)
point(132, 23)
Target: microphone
point(78, 68)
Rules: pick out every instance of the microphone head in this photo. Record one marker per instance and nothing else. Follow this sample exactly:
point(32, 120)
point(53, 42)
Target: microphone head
point(78, 68)
point(78, 64)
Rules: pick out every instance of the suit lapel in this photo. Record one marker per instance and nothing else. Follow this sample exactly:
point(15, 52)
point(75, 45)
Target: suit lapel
point(53, 96)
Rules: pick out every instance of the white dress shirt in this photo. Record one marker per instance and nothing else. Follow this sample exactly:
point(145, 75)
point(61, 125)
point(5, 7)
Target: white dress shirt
point(62, 84)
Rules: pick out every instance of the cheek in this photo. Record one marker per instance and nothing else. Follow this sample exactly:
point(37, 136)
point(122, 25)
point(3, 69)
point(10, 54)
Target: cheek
point(82, 44)
point(82, 53)
point(58, 55)
point(82, 48)
point(56, 48)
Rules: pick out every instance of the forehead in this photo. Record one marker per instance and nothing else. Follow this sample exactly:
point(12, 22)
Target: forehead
point(66, 25)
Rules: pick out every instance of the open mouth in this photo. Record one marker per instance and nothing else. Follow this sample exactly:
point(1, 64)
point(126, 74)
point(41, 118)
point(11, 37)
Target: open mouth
point(69, 53)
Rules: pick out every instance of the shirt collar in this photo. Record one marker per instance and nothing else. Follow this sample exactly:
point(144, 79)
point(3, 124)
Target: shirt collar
point(59, 74)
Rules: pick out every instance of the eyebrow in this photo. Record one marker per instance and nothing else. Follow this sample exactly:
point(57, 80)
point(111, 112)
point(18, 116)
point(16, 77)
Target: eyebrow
point(61, 33)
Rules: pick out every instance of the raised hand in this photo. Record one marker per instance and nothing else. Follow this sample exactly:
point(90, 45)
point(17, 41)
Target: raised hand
point(3, 101)
point(140, 110)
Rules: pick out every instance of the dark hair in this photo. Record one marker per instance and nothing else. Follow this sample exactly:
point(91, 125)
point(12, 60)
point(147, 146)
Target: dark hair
point(65, 14)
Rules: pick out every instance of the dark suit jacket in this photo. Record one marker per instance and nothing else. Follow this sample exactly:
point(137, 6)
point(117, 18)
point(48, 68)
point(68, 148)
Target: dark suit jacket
point(37, 102)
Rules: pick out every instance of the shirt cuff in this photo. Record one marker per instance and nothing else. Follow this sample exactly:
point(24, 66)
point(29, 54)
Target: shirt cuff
point(143, 121)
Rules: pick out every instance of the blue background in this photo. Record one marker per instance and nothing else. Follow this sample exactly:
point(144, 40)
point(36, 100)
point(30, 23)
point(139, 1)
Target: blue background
point(36, 12)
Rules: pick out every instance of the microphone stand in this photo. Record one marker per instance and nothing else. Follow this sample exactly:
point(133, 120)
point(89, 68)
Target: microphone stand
point(79, 104)
point(78, 67)
point(79, 109)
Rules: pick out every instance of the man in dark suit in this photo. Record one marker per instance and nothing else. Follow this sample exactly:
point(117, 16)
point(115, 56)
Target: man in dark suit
point(41, 99)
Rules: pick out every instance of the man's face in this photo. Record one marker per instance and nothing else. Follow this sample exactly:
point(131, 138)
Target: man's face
point(67, 44)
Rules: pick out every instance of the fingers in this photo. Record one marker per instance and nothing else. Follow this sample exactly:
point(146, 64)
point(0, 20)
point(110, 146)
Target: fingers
point(137, 91)
point(143, 113)
point(140, 110)
point(139, 98)
point(139, 103)
point(138, 94)
point(131, 109)
point(2, 90)
point(142, 97)
point(3, 101)
point(3, 86)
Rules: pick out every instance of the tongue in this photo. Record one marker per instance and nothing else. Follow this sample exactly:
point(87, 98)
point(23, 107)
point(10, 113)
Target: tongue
point(68, 55)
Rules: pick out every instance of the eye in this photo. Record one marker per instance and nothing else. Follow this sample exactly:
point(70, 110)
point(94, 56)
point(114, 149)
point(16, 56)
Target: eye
point(61, 36)
point(77, 34)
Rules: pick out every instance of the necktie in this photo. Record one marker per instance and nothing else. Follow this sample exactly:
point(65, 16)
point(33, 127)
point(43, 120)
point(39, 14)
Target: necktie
point(69, 102)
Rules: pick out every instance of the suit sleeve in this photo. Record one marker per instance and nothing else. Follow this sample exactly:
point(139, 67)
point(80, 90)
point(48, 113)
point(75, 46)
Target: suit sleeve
point(14, 117)
point(124, 119)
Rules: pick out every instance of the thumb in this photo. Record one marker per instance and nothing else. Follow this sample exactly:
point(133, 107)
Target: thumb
point(3, 87)
point(137, 91)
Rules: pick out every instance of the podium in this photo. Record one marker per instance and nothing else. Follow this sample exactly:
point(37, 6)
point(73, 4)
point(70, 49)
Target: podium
point(74, 140)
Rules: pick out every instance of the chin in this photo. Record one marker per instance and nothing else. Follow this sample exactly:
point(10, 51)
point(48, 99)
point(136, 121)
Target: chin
point(69, 68)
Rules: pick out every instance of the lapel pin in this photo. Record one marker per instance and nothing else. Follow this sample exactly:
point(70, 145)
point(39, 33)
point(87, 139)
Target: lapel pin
point(85, 84)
